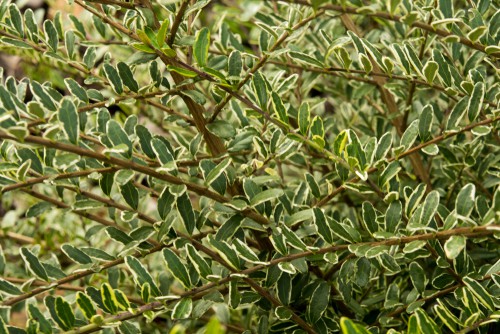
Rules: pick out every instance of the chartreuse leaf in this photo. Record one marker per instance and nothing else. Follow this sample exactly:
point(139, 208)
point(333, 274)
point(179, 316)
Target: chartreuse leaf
point(127, 77)
point(350, 327)
point(85, 305)
point(200, 47)
point(182, 71)
point(141, 274)
point(162, 33)
point(176, 267)
point(185, 209)
point(33, 264)
point(214, 327)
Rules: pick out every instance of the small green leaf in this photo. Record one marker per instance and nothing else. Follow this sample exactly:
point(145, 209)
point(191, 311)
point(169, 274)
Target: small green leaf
point(176, 267)
point(349, 327)
point(304, 118)
point(465, 200)
point(198, 261)
point(65, 313)
point(417, 275)
point(9, 288)
point(305, 59)
point(480, 293)
point(454, 246)
point(85, 305)
point(183, 308)
point(319, 302)
point(200, 47)
point(109, 298)
point(33, 264)
point(114, 78)
point(75, 254)
point(217, 171)
point(425, 123)
point(185, 209)
point(76, 90)
point(140, 274)
point(222, 129)
point(68, 115)
point(322, 225)
point(366, 63)
point(476, 101)
point(16, 19)
point(235, 64)
point(457, 113)
point(130, 194)
point(127, 77)
point(117, 135)
point(51, 35)
point(409, 136)
point(265, 196)
point(369, 217)
point(430, 70)
point(279, 108)
point(165, 203)
point(260, 88)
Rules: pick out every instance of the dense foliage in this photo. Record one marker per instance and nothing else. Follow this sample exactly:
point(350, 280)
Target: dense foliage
point(291, 166)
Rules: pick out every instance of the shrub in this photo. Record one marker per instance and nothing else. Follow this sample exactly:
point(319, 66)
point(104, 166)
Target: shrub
point(250, 166)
